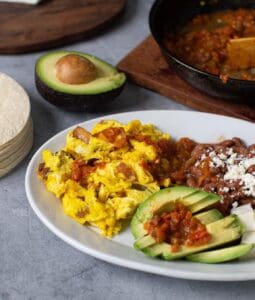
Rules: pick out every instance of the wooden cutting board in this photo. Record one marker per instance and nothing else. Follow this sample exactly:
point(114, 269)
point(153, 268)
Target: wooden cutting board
point(146, 66)
point(26, 28)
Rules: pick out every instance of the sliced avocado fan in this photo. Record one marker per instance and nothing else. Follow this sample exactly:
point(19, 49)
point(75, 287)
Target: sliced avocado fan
point(222, 230)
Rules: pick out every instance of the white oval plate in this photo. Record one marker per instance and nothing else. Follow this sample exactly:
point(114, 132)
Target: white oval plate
point(199, 126)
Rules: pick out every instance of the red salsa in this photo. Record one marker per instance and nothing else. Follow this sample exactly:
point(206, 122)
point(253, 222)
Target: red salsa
point(203, 41)
point(178, 227)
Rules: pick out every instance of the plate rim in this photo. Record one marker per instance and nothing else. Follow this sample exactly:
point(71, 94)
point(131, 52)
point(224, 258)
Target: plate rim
point(127, 263)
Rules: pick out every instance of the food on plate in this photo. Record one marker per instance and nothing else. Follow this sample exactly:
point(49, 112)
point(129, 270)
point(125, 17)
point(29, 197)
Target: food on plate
point(186, 199)
point(204, 42)
point(16, 137)
point(77, 81)
point(169, 225)
point(226, 168)
point(103, 175)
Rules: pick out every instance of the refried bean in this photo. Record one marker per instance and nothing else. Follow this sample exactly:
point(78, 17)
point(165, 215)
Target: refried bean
point(226, 168)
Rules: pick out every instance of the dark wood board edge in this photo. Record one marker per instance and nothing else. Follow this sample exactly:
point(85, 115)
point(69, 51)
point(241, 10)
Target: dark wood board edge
point(65, 40)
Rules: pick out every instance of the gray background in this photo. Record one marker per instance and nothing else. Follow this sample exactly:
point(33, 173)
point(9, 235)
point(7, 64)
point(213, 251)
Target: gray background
point(34, 263)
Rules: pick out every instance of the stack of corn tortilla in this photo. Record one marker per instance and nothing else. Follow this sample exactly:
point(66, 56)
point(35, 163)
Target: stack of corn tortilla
point(16, 128)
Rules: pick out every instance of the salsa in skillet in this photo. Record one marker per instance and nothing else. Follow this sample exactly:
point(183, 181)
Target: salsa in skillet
point(203, 41)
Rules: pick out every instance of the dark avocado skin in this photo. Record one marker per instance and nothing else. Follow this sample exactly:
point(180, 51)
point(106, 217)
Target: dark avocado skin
point(77, 103)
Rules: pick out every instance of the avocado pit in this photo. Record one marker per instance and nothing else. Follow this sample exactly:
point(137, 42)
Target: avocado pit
point(75, 69)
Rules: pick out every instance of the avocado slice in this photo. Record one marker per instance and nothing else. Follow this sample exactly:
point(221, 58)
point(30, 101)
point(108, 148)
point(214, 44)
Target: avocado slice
point(221, 255)
point(204, 203)
point(164, 200)
point(209, 216)
point(77, 97)
point(222, 231)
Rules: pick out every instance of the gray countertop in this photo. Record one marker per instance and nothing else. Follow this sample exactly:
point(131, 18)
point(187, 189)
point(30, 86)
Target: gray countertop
point(34, 263)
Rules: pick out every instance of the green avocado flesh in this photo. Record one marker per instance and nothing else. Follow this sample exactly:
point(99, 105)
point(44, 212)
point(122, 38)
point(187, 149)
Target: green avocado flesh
point(209, 216)
point(222, 230)
point(108, 78)
point(221, 255)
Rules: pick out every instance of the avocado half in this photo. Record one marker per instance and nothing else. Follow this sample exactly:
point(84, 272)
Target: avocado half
point(94, 95)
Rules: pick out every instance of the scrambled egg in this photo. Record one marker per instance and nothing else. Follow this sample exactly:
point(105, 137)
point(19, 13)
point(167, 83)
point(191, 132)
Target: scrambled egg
point(102, 176)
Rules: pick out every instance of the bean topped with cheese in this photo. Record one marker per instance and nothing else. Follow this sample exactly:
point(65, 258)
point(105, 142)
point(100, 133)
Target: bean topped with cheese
point(226, 168)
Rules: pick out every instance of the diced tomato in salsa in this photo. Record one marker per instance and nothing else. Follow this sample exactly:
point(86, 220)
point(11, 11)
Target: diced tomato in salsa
point(178, 227)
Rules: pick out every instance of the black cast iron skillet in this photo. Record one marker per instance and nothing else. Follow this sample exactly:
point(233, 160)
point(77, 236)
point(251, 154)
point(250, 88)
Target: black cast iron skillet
point(173, 15)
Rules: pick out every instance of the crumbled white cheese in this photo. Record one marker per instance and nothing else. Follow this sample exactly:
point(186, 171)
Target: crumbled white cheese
point(231, 159)
point(234, 172)
point(249, 162)
point(203, 157)
point(212, 154)
point(229, 151)
point(248, 184)
point(222, 156)
point(216, 161)
point(224, 190)
point(211, 164)
point(197, 163)
point(239, 172)
point(237, 166)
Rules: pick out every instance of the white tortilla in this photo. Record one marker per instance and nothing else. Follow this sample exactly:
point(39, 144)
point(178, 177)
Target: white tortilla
point(17, 153)
point(16, 157)
point(14, 109)
point(12, 153)
point(11, 146)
